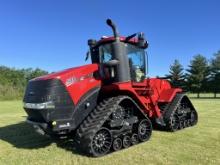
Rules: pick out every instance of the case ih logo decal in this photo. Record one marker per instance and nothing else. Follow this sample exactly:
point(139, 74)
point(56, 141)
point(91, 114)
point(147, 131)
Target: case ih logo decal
point(73, 80)
point(70, 81)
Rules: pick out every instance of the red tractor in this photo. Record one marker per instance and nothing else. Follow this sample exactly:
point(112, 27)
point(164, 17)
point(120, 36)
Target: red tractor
point(109, 104)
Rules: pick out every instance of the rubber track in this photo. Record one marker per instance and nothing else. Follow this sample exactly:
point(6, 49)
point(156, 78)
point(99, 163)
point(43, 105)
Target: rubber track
point(171, 109)
point(94, 122)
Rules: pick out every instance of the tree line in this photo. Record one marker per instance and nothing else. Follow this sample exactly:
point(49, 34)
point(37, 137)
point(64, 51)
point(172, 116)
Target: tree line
point(13, 81)
point(202, 74)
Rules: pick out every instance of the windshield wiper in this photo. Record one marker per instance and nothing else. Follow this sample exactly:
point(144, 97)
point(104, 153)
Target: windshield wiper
point(130, 37)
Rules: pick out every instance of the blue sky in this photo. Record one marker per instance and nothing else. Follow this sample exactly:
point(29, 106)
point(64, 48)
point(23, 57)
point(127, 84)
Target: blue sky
point(52, 34)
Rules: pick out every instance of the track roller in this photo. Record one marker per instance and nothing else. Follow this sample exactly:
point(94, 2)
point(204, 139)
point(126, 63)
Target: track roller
point(134, 139)
point(117, 144)
point(126, 141)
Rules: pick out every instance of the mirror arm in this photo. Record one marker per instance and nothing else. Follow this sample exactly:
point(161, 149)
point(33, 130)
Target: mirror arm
point(87, 55)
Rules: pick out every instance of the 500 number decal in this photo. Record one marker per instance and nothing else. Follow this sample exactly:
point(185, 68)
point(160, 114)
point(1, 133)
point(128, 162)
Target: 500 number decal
point(73, 80)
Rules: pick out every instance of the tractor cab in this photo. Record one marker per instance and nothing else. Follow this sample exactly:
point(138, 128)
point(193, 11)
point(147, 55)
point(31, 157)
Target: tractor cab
point(121, 59)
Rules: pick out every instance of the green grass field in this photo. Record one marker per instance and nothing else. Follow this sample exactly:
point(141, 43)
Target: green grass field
point(196, 145)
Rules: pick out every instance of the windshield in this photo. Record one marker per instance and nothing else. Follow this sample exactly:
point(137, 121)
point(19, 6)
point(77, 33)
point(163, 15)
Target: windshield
point(135, 55)
point(136, 58)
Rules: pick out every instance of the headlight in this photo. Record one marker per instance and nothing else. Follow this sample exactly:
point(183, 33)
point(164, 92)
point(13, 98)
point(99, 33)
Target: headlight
point(45, 105)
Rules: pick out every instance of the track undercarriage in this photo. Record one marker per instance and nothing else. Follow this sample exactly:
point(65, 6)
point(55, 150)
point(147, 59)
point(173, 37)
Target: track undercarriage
point(113, 125)
point(179, 114)
point(116, 123)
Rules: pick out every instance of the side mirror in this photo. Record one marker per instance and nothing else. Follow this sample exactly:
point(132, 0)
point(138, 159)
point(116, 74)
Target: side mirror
point(111, 63)
point(88, 54)
point(141, 41)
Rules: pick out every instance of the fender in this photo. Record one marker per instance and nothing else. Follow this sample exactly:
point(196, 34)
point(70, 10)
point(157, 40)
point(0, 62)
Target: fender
point(85, 105)
point(168, 95)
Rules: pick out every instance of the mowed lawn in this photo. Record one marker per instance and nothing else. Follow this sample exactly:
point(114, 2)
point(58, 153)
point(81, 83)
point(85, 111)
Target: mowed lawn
point(19, 144)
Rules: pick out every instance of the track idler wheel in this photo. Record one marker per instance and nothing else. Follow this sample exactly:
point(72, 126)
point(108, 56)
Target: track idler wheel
point(101, 142)
point(193, 118)
point(144, 130)
point(117, 144)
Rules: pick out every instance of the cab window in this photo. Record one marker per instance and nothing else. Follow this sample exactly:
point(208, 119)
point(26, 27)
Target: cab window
point(136, 58)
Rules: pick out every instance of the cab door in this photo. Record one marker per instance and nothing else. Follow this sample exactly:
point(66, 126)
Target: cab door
point(137, 65)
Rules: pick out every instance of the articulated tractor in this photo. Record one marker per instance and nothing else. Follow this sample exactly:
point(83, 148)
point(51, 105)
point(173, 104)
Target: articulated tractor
point(109, 104)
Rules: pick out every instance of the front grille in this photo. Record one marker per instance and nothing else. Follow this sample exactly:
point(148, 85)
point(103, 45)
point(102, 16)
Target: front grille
point(46, 90)
point(41, 91)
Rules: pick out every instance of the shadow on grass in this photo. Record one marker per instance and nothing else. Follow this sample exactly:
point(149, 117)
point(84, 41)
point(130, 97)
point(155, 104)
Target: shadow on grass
point(22, 135)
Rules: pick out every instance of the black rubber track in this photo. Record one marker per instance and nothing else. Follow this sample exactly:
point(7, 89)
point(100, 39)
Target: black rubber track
point(170, 111)
point(94, 122)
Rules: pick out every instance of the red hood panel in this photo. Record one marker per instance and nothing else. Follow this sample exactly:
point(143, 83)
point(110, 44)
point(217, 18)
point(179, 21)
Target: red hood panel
point(76, 71)
point(78, 80)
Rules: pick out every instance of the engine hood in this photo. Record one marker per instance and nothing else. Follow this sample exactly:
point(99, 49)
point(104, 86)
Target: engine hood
point(77, 80)
point(75, 71)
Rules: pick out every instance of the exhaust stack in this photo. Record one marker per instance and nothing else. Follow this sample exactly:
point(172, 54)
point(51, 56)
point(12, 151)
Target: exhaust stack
point(114, 29)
